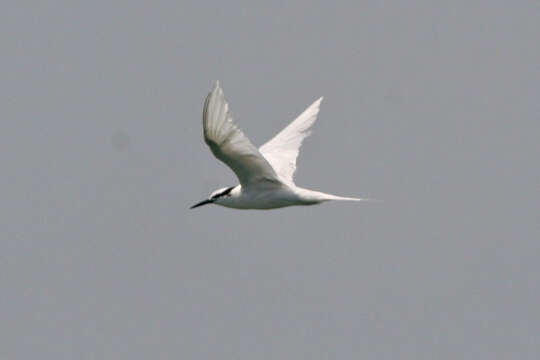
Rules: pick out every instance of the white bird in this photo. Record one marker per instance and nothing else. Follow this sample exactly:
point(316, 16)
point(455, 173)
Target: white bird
point(265, 174)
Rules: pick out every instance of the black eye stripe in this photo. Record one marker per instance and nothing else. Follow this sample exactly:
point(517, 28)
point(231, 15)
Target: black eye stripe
point(228, 190)
point(223, 193)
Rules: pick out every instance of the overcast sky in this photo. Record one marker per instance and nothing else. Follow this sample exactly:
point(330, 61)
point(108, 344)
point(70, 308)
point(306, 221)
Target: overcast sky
point(431, 106)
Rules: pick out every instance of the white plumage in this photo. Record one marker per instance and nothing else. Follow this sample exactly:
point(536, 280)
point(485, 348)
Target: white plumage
point(265, 174)
point(282, 150)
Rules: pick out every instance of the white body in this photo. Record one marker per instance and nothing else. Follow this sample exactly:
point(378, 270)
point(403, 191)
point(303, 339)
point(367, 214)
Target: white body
point(273, 198)
point(265, 174)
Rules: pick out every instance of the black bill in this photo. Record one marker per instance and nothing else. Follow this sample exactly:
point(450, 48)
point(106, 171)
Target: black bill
point(204, 202)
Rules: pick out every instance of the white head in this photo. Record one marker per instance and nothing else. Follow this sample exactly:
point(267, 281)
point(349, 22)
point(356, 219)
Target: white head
point(220, 197)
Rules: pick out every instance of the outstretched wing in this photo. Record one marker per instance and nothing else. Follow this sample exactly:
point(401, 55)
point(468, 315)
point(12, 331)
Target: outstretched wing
point(282, 150)
point(229, 144)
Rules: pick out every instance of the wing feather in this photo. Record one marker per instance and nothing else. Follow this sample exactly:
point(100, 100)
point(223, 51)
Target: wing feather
point(282, 150)
point(229, 144)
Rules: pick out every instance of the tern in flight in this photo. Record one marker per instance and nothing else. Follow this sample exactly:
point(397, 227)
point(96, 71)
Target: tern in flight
point(265, 174)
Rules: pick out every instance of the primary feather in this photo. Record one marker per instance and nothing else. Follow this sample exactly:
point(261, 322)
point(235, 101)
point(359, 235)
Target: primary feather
point(282, 150)
point(229, 144)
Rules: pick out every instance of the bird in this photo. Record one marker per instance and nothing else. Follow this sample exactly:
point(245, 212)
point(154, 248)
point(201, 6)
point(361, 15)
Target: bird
point(266, 173)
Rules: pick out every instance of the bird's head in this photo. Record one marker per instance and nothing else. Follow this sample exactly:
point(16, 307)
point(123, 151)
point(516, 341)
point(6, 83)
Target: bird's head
point(219, 197)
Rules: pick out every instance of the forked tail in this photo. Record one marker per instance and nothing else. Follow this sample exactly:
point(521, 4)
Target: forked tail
point(345, 198)
point(318, 197)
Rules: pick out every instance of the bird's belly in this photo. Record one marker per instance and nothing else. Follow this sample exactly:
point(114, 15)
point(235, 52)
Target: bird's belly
point(266, 200)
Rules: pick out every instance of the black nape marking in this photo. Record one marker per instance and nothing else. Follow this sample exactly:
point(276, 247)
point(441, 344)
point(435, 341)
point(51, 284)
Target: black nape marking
point(223, 193)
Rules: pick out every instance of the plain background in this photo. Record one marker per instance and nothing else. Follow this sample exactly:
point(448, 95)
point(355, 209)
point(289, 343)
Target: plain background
point(431, 106)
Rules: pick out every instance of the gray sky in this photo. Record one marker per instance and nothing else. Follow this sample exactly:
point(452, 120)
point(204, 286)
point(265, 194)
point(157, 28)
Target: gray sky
point(433, 107)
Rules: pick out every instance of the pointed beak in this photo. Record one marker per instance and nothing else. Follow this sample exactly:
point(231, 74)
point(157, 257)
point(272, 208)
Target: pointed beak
point(204, 202)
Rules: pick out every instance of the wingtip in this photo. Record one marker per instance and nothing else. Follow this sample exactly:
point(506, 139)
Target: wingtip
point(316, 104)
point(319, 101)
point(216, 90)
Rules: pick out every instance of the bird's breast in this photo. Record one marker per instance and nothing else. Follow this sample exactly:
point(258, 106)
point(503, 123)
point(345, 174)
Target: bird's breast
point(265, 199)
